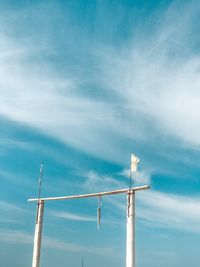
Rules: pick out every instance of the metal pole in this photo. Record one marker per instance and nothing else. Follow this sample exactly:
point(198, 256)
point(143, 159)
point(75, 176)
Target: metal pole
point(38, 234)
point(130, 230)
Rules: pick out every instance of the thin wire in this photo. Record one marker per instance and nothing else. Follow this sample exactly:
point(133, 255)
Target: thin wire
point(40, 180)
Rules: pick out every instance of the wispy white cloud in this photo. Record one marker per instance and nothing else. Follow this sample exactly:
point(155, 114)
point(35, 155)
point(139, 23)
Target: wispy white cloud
point(57, 244)
point(15, 237)
point(140, 177)
point(158, 78)
point(96, 181)
point(6, 221)
point(35, 91)
point(17, 180)
point(13, 142)
point(7, 206)
point(11, 213)
point(165, 210)
point(85, 218)
point(72, 216)
point(24, 238)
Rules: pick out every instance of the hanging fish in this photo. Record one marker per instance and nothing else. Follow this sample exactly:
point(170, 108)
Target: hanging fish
point(99, 212)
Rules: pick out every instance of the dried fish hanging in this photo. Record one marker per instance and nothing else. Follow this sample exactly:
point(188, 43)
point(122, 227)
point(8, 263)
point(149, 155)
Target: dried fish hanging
point(99, 212)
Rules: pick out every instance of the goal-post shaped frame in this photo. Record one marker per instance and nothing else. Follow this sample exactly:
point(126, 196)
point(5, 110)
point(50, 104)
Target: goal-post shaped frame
point(130, 223)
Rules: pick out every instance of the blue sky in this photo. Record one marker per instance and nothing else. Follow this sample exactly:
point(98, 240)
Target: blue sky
point(83, 84)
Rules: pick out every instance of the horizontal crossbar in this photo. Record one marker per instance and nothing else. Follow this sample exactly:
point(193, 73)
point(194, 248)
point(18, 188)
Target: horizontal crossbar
point(114, 192)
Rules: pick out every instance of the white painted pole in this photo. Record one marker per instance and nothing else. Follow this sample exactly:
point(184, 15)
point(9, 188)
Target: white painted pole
point(38, 234)
point(130, 230)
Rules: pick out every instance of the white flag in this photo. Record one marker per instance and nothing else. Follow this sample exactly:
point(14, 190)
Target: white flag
point(134, 163)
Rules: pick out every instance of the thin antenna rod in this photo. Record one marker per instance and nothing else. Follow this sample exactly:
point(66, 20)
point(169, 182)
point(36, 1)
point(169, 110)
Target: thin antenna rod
point(40, 180)
point(39, 187)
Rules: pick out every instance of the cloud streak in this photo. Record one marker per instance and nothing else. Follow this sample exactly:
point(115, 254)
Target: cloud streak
point(170, 211)
point(96, 181)
point(140, 177)
point(7, 206)
point(23, 238)
point(158, 77)
point(72, 216)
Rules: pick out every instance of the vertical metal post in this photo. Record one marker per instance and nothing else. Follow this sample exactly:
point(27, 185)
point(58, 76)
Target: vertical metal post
point(130, 230)
point(38, 234)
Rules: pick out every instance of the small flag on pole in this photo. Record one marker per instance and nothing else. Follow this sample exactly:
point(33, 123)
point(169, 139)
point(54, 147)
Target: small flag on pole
point(134, 163)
